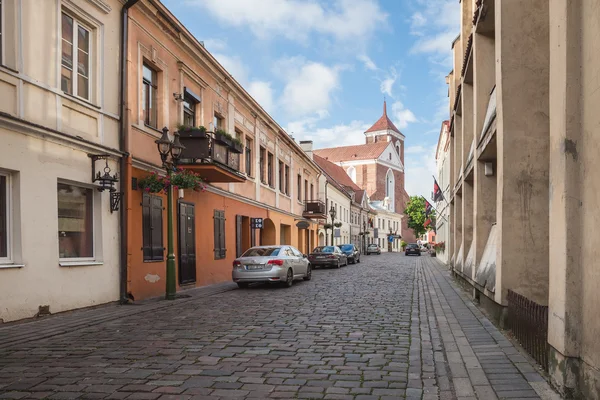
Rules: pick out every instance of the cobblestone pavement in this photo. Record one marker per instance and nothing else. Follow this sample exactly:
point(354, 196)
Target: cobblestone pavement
point(391, 327)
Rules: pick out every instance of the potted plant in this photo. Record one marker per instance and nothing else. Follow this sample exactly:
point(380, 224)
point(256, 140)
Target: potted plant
point(236, 145)
point(223, 137)
point(403, 245)
point(186, 179)
point(327, 226)
point(338, 224)
point(190, 131)
point(152, 183)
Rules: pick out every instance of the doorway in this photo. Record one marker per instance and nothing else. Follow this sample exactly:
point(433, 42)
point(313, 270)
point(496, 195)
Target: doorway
point(187, 243)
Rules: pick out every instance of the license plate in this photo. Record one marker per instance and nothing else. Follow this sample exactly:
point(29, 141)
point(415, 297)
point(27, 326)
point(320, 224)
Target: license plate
point(251, 267)
point(321, 257)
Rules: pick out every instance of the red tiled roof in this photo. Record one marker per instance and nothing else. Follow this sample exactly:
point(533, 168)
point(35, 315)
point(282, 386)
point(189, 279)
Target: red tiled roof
point(369, 151)
point(336, 173)
point(383, 123)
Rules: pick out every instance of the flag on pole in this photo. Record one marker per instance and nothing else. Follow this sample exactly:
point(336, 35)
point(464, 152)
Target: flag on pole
point(426, 224)
point(428, 208)
point(437, 192)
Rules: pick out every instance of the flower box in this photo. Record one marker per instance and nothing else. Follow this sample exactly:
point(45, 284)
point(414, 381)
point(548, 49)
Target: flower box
point(223, 138)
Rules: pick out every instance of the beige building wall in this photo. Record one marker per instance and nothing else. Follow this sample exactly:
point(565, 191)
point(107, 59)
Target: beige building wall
point(48, 130)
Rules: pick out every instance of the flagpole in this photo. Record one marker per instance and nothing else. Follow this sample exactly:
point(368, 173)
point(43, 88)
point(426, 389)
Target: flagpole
point(436, 211)
point(435, 180)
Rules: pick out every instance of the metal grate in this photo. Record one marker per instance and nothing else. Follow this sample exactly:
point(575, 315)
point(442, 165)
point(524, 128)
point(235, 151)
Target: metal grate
point(528, 322)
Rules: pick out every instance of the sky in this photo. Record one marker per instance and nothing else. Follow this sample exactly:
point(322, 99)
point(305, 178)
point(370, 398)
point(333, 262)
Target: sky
point(322, 68)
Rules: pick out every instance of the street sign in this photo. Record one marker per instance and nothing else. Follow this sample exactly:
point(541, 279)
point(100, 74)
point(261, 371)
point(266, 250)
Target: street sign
point(390, 238)
point(303, 225)
point(256, 223)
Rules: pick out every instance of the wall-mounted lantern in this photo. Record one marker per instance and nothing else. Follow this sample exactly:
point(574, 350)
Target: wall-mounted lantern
point(106, 181)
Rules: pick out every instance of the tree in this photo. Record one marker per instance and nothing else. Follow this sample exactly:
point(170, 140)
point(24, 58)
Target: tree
point(415, 211)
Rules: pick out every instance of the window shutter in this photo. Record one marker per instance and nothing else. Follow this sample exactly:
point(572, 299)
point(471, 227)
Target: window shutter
point(222, 230)
point(146, 227)
point(219, 234)
point(157, 228)
point(238, 235)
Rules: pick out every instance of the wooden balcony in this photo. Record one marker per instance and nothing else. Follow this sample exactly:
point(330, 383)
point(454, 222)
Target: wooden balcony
point(215, 159)
point(314, 209)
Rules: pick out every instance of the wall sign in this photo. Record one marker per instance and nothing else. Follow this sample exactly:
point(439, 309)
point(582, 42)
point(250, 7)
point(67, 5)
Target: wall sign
point(256, 223)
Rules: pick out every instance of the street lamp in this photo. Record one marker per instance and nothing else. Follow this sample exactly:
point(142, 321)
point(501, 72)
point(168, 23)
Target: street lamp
point(173, 148)
point(390, 240)
point(364, 236)
point(332, 214)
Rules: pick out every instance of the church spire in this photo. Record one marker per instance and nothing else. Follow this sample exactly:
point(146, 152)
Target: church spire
point(384, 123)
point(384, 107)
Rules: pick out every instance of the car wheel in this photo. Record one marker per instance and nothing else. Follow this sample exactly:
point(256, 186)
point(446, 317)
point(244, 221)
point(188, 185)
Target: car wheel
point(308, 276)
point(289, 280)
point(345, 265)
point(338, 265)
point(358, 260)
point(242, 285)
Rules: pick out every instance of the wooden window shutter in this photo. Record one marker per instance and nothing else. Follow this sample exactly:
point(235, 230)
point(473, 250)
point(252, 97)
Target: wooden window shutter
point(157, 228)
point(146, 227)
point(223, 249)
point(238, 235)
point(219, 234)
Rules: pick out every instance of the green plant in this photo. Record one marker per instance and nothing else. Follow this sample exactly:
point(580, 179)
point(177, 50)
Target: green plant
point(338, 224)
point(415, 210)
point(182, 127)
point(223, 133)
point(186, 179)
point(327, 226)
point(439, 247)
point(236, 141)
point(153, 183)
point(403, 244)
point(202, 129)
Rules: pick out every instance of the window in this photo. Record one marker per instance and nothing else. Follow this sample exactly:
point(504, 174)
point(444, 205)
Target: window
point(281, 177)
point(306, 190)
point(75, 72)
point(219, 122)
point(4, 212)
point(312, 190)
point(249, 157)
point(219, 227)
point(270, 170)
point(299, 188)
point(149, 88)
point(263, 152)
point(287, 180)
point(152, 227)
point(189, 110)
point(75, 222)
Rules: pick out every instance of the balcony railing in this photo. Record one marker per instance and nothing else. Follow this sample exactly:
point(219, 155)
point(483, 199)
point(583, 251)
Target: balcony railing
point(314, 209)
point(213, 156)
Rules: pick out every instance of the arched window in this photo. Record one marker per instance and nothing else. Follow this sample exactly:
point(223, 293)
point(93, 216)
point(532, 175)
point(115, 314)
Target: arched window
point(390, 189)
point(352, 173)
point(398, 148)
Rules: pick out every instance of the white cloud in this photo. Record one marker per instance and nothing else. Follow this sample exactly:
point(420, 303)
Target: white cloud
point(440, 43)
point(415, 149)
point(419, 168)
point(402, 116)
point(234, 65)
point(337, 135)
point(309, 87)
point(388, 83)
point(348, 20)
point(369, 64)
point(418, 20)
point(263, 94)
point(214, 44)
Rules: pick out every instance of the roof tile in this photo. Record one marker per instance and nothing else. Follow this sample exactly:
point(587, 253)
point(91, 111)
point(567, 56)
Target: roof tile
point(368, 151)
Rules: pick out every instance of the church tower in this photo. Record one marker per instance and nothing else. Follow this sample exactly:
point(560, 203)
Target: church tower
point(385, 130)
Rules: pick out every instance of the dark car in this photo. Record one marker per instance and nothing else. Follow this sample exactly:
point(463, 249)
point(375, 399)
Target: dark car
point(373, 249)
point(351, 251)
point(330, 256)
point(412, 248)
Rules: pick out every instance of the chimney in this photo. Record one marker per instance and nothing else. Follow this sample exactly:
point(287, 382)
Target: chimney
point(307, 147)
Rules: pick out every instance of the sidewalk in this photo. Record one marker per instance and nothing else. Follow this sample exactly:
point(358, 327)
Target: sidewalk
point(483, 363)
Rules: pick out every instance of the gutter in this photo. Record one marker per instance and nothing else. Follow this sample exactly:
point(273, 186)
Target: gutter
point(125, 166)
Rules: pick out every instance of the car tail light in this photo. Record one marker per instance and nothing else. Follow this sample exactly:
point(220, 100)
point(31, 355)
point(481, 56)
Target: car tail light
point(331, 256)
point(236, 263)
point(275, 262)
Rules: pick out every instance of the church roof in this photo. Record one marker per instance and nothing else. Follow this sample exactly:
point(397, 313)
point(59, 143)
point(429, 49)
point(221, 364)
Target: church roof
point(369, 151)
point(383, 123)
point(337, 173)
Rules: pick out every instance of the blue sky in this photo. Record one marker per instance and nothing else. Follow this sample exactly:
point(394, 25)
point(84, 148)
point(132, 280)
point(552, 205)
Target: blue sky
point(322, 68)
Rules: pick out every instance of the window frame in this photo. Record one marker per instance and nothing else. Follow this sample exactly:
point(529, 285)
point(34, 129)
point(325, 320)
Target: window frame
point(8, 259)
point(287, 179)
point(281, 170)
point(75, 55)
point(2, 25)
point(189, 111)
point(248, 157)
point(262, 164)
point(153, 96)
point(218, 121)
point(270, 166)
point(299, 187)
point(92, 258)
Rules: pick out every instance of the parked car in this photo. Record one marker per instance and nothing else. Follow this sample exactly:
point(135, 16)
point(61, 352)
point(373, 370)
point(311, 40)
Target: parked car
point(412, 248)
point(373, 249)
point(352, 252)
point(328, 256)
point(272, 264)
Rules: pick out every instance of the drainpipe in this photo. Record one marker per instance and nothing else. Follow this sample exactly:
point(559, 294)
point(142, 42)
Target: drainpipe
point(326, 211)
point(125, 166)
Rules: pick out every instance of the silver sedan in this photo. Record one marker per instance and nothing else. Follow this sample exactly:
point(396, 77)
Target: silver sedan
point(273, 264)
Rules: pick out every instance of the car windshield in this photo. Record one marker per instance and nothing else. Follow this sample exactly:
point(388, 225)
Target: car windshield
point(323, 249)
point(413, 246)
point(262, 252)
point(347, 247)
point(372, 245)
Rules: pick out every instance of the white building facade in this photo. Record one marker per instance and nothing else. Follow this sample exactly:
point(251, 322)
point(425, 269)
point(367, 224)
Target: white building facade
point(442, 158)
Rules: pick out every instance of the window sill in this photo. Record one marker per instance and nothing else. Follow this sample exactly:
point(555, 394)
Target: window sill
point(9, 68)
point(153, 261)
point(81, 100)
point(268, 187)
point(8, 266)
point(79, 263)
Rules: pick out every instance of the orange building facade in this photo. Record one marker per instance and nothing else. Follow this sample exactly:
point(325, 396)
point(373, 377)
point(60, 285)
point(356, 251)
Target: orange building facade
point(172, 80)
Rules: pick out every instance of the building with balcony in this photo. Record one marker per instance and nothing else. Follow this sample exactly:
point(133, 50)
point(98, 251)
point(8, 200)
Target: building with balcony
point(523, 151)
point(251, 166)
point(443, 164)
point(59, 105)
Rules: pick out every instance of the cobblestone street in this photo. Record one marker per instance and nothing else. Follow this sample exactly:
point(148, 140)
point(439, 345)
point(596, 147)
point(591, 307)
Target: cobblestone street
point(390, 327)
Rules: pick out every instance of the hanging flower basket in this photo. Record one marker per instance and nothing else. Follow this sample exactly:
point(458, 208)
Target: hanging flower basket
point(152, 183)
point(236, 146)
point(327, 226)
point(223, 137)
point(186, 179)
point(338, 224)
point(190, 131)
